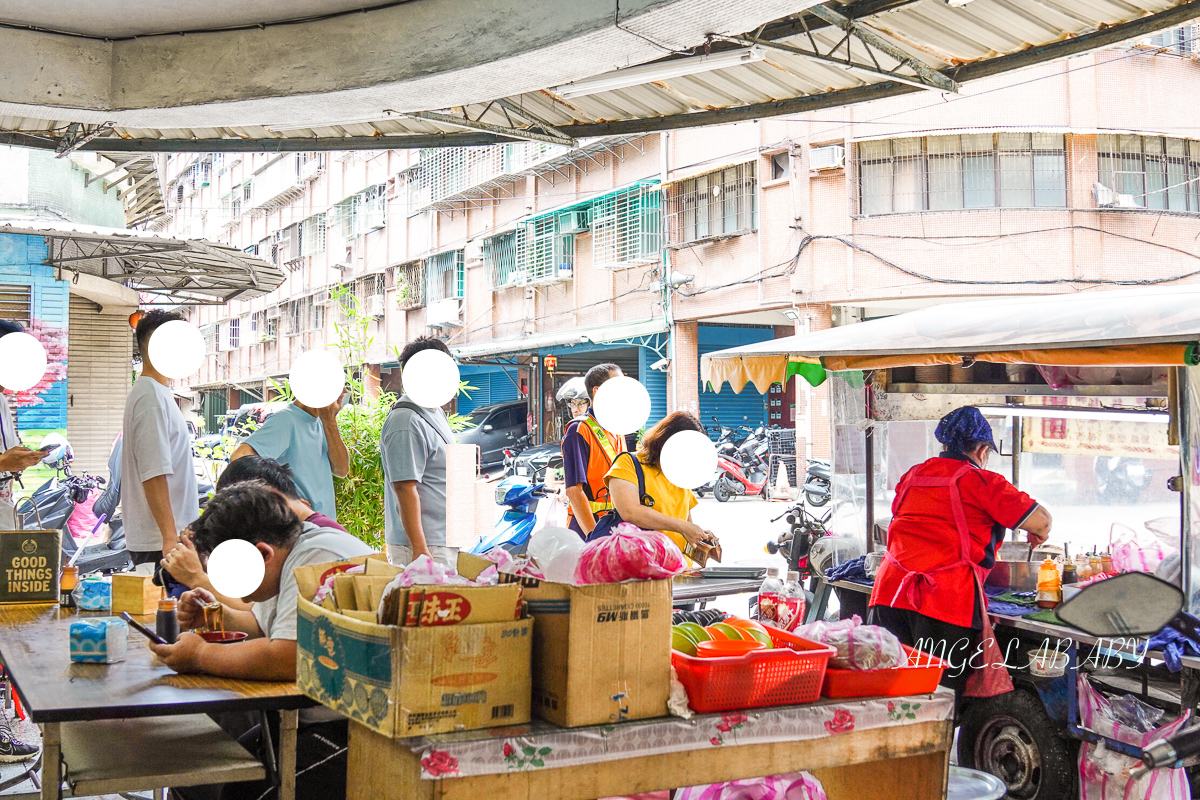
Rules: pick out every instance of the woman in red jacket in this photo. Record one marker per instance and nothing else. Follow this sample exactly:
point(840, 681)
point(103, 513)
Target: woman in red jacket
point(948, 518)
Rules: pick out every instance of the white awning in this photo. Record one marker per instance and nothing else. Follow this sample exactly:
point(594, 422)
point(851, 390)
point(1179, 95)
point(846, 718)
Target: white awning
point(529, 344)
point(186, 270)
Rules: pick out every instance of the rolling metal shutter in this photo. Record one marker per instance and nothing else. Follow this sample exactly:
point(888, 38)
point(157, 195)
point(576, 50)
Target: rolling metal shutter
point(99, 374)
point(748, 408)
point(492, 385)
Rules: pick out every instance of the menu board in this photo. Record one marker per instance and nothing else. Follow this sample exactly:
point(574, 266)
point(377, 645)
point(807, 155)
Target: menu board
point(29, 566)
point(1094, 437)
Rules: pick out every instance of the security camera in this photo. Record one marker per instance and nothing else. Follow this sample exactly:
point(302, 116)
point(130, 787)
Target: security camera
point(662, 365)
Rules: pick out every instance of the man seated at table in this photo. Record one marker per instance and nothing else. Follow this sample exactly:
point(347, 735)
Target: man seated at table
point(184, 562)
point(260, 515)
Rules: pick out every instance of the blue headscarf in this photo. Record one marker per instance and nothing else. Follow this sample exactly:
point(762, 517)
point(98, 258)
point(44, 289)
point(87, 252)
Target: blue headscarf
point(964, 429)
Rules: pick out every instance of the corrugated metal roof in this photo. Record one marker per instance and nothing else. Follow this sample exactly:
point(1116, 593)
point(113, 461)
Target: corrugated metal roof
point(185, 270)
point(981, 38)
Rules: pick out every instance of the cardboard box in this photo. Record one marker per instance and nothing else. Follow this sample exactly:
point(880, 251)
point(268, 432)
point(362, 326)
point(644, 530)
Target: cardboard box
point(135, 594)
point(411, 681)
point(601, 653)
point(30, 563)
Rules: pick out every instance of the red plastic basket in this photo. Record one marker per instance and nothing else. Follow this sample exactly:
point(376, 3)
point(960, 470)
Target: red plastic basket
point(789, 674)
point(920, 676)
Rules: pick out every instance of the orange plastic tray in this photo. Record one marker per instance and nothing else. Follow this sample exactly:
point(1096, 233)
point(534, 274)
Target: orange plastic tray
point(920, 676)
point(790, 673)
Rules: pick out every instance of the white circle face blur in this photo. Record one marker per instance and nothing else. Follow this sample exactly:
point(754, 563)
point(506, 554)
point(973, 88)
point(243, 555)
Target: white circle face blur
point(430, 378)
point(317, 378)
point(22, 361)
point(236, 568)
point(688, 459)
point(176, 349)
point(622, 405)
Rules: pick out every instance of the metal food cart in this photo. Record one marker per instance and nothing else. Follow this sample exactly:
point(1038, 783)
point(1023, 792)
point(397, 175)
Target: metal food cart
point(1095, 398)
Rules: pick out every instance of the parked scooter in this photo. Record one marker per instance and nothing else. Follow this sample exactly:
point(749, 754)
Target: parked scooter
point(512, 451)
point(817, 483)
point(795, 544)
point(743, 474)
point(528, 504)
point(55, 502)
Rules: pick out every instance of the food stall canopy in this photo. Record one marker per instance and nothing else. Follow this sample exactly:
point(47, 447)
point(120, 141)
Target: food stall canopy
point(1158, 326)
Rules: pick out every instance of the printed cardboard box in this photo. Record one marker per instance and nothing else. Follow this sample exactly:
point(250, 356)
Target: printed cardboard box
point(601, 653)
point(412, 681)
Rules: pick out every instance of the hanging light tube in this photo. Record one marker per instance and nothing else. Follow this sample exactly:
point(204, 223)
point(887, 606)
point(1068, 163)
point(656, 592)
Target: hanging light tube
point(648, 73)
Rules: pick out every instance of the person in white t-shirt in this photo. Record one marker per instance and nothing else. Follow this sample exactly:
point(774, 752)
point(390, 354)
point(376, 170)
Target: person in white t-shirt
point(255, 512)
point(14, 457)
point(158, 492)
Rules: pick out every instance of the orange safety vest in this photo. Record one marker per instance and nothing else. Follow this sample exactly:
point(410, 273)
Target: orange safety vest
point(603, 448)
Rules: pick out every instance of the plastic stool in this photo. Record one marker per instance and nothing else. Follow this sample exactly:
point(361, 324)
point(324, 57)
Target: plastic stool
point(971, 784)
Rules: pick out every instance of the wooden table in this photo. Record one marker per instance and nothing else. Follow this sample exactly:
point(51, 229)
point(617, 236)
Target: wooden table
point(35, 651)
point(900, 761)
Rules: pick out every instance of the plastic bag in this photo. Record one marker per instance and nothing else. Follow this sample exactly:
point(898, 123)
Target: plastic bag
point(1104, 773)
point(1134, 551)
point(1133, 713)
point(793, 786)
point(557, 552)
point(630, 553)
point(858, 646)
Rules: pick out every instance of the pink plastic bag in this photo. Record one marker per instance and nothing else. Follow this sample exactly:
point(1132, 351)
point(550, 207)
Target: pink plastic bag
point(83, 519)
point(1134, 551)
point(1104, 773)
point(630, 553)
point(793, 786)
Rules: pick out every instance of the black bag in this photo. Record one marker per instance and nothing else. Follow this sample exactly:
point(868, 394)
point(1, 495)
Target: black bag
point(607, 522)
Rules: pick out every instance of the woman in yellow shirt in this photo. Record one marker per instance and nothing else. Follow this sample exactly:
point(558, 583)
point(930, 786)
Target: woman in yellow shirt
point(666, 507)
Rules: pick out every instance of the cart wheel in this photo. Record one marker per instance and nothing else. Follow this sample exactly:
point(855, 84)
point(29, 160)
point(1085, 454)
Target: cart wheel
point(721, 490)
point(1012, 737)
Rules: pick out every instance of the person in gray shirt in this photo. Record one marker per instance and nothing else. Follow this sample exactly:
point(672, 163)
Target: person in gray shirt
point(413, 446)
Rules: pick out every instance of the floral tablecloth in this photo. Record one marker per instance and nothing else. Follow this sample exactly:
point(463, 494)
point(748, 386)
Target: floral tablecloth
point(540, 745)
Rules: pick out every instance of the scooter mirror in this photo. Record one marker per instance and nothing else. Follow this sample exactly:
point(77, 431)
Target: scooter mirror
point(1133, 604)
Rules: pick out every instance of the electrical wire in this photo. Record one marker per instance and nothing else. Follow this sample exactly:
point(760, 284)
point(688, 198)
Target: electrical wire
point(617, 25)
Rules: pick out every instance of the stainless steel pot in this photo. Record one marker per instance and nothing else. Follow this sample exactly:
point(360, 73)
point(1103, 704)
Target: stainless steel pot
point(1020, 576)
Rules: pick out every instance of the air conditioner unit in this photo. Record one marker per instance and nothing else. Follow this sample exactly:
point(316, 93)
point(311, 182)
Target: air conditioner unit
point(312, 169)
point(473, 250)
point(1107, 198)
point(444, 312)
point(832, 156)
point(375, 306)
point(576, 221)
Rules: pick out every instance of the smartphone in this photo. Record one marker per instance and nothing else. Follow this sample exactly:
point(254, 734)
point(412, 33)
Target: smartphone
point(46, 448)
point(142, 629)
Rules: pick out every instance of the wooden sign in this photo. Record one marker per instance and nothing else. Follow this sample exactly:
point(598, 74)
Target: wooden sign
point(29, 566)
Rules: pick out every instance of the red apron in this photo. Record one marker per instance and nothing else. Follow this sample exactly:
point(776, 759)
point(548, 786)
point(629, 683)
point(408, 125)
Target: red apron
point(992, 678)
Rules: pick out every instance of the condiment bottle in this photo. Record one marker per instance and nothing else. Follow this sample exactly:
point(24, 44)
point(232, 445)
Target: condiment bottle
point(791, 603)
point(1096, 564)
point(1106, 563)
point(1082, 568)
point(166, 622)
point(1049, 587)
point(67, 581)
point(1069, 574)
point(768, 599)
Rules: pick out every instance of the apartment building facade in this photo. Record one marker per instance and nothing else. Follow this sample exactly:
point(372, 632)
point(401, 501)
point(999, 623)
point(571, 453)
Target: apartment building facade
point(536, 261)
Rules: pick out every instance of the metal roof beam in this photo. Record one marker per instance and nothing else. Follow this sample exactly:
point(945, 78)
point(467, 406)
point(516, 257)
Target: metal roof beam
point(516, 133)
point(916, 81)
point(870, 38)
point(508, 105)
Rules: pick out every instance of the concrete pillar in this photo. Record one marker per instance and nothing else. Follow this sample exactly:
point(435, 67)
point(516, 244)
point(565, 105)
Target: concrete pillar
point(685, 370)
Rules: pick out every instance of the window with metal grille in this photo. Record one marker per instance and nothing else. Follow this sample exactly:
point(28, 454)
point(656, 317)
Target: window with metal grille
point(209, 332)
point(258, 327)
point(312, 235)
point(372, 208)
point(235, 333)
point(16, 303)
point(503, 258)
point(342, 219)
point(1179, 41)
point(548, 250)
point(445, 276)
point(627, 228)
point(971, 170)
point(1155, 171)
point(410, 284)
point(293, 313)
point(272, 330)
point(720, 203)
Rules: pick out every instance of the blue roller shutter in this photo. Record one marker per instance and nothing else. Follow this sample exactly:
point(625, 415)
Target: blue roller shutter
point(492, 385)
point(748, 408)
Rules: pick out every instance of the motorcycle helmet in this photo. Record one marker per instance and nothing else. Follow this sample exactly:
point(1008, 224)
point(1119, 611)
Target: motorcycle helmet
point(61, 455)
point(829, 551)
point(574, 389)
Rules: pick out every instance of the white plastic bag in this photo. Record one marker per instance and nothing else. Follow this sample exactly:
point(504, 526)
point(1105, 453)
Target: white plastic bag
point(556, 551)
point(1104, 773)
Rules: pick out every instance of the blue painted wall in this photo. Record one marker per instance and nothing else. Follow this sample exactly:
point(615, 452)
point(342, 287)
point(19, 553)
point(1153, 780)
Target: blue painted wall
point(22, 262)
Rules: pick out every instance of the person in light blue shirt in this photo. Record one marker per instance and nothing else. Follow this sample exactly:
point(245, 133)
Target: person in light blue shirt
point(307, 440)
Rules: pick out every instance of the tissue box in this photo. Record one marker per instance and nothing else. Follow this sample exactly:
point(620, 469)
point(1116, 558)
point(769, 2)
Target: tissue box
point(93, 594)
point(99, 641)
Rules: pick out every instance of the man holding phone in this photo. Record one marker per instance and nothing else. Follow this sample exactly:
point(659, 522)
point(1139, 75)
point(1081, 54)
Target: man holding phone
point(260, 515)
